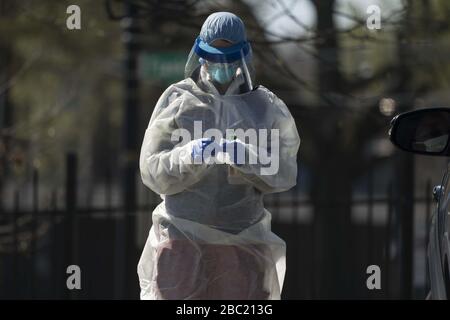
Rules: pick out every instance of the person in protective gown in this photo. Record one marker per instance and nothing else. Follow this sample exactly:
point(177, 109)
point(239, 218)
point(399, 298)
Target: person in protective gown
point(211, 236)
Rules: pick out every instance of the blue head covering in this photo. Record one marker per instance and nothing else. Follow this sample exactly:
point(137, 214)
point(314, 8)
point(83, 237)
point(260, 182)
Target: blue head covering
point(223, 25)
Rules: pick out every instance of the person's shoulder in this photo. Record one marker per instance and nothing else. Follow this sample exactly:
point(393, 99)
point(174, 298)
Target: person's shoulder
point(186, 84)
point(262, 90)
point(175, 90)
point(175, 86)
point(273, 100)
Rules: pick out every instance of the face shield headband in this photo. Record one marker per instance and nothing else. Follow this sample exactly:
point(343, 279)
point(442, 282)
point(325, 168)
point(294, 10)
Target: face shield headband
point(221, 55)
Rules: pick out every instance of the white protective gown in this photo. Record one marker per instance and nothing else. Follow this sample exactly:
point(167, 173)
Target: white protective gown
point(211, 236)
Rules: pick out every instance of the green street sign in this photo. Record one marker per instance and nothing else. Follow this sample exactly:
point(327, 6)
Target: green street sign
point(165, 67)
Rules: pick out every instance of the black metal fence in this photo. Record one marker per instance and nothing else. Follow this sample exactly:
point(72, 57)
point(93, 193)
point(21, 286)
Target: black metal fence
point(37, 245)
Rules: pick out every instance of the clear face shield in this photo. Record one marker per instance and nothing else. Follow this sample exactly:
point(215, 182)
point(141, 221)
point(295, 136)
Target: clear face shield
point(222, 66)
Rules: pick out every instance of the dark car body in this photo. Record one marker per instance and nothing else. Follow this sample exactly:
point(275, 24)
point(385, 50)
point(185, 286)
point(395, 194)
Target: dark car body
point(427, 132)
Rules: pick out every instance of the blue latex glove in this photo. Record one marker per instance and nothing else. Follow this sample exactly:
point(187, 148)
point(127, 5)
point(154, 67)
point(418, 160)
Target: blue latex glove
point(234, 148)
point(198, 150)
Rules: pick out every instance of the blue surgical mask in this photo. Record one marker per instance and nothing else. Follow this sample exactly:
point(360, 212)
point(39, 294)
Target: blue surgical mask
point(222, 73)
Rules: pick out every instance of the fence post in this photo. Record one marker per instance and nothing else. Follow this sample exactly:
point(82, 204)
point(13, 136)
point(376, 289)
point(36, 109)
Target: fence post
point(370, 232)
point(34, 238)
point(108, 189)
point(53, 255)
point(15, 253)
point(129, 158)
point(427, 226)
point(294, 235)
point(313, 228)
point(404, 211)
point(388, 241)
point(71, 204)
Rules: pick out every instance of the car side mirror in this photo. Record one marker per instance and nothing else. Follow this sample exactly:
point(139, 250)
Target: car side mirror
point(423, 131)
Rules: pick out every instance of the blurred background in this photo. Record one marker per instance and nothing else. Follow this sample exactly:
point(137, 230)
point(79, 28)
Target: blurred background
point(74, 105)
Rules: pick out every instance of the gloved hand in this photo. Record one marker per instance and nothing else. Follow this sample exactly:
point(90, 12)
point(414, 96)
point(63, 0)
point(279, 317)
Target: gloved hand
point(234, 151)
point(203, 150)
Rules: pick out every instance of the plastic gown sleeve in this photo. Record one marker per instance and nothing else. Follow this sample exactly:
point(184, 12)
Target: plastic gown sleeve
point(284, 175)
point(164, 165)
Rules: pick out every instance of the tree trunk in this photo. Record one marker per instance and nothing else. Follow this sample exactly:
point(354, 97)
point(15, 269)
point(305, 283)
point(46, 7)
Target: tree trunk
point(331, 191)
